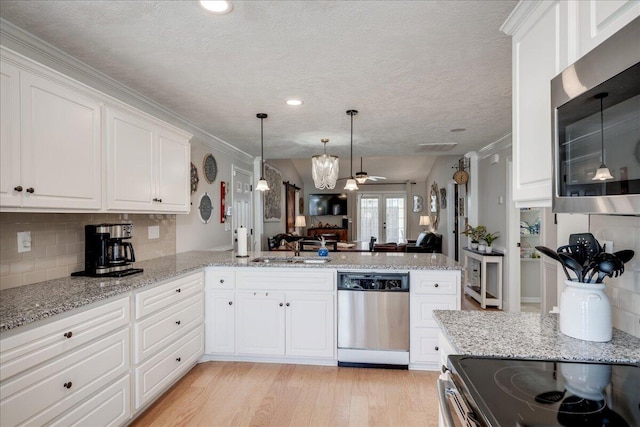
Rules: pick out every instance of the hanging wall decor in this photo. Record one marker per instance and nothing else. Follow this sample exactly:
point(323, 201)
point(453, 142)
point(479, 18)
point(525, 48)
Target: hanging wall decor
point(209, 168)
point(194, 178)
point(223, 202)
point(205, 208)
point(273, 199)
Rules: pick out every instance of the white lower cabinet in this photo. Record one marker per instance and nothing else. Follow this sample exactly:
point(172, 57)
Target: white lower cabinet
point(271, 313)
point(58, 386)
point(110, 407)
point(154, 375)
point(430, 291)
point(168, 334)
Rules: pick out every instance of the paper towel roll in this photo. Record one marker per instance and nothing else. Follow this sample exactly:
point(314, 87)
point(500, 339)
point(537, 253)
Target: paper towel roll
point(242, 241)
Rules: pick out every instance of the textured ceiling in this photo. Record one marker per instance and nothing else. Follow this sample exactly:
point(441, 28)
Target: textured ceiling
point(414, 69)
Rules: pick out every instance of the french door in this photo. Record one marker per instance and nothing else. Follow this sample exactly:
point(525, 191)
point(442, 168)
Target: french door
point(383, 216)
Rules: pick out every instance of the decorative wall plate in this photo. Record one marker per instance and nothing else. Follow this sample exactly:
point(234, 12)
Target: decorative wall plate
point(205, 208)
point(209, 168)
point(194, 178)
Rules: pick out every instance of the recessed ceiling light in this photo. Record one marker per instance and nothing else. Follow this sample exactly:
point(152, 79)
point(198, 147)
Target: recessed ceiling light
point(218, 7)
point(458, 130)
point(294, 102)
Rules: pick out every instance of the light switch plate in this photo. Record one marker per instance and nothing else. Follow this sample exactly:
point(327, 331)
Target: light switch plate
point(154, 232)
point(24, 241)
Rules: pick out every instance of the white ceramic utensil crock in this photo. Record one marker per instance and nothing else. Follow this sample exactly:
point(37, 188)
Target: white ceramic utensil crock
point(585, 312)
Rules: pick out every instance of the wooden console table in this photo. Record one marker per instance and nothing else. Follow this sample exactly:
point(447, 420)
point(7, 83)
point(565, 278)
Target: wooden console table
point(342, 233)
point(478, 291)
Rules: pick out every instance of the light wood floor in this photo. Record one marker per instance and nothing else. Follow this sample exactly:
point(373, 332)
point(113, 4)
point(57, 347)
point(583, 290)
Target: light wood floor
point(261, 394)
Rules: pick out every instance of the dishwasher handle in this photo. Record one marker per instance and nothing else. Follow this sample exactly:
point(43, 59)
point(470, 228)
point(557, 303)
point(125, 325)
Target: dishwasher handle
point(443, 384)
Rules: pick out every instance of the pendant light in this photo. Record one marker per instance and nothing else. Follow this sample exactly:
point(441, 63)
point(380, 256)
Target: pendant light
point(351, 182)
point(324, 169)
point(603, 173)
point(262, 183)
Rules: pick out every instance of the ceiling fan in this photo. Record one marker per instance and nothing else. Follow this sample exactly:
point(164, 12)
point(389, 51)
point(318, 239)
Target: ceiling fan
point(362, 177)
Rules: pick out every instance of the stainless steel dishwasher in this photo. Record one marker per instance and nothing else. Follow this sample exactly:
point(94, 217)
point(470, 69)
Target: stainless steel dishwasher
point(373, 319)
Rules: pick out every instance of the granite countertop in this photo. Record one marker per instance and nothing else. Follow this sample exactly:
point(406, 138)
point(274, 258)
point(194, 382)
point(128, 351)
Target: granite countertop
point(26, 304)
point(528, 335)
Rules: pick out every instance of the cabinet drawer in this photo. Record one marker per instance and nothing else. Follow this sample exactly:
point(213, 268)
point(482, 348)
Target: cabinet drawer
point(29, 348)
point(166, 326)
point(434, 284)
point(424, 345)
point(282, 279)
point(154, 375)
point(167, 294)
point(422, 307)
point(220, 279)
point(51, 389)
point(110, 407)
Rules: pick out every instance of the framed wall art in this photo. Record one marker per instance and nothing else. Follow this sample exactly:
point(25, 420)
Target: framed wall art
point(273, 197)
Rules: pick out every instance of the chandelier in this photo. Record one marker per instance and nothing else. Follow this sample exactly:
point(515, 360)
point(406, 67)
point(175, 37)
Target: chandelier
point(351, 182)
point(324, 169)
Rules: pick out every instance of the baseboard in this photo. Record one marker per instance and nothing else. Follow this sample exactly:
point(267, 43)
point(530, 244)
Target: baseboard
point(531, 300)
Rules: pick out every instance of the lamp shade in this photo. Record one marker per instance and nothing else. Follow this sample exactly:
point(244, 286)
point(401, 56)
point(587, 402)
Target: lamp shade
point(424, 220)
point(351, 184)
point(301, 221)
point(324, 169)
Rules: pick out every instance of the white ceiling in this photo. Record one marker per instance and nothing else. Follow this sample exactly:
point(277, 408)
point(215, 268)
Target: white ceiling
point(414, 69)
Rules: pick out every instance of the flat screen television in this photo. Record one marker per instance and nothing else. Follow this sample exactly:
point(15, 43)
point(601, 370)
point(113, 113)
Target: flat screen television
point(327, 204)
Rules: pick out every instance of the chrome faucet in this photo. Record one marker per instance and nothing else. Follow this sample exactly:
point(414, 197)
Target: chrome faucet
point(295, 248)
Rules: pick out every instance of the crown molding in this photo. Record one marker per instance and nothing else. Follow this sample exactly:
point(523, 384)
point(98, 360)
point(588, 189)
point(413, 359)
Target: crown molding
point(519, 15)
point(26, 44)
point(496, 146)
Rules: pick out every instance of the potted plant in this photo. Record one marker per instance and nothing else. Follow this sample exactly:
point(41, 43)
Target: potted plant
point(489, 238)
point(475, 234)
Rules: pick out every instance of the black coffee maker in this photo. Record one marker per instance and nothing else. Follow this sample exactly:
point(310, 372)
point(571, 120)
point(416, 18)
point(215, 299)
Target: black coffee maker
point(106, 251)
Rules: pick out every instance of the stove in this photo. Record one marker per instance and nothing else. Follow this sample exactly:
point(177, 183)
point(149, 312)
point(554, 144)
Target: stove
point(524, 392)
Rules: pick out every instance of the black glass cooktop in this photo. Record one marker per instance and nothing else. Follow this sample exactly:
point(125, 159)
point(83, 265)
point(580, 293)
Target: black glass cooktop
point(522, 392)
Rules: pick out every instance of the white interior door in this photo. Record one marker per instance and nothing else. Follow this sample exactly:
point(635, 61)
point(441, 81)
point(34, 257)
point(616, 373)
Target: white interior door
point(383, 216)
point(242, 215)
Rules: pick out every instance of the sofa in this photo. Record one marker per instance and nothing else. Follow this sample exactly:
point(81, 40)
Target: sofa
point(426, 242)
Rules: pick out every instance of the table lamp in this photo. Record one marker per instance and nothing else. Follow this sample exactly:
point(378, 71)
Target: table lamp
point(300, 221)
point(424, 220)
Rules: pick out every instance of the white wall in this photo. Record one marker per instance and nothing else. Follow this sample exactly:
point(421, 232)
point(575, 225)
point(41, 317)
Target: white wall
point(441, 173)
point(191, 232)
point(289, 173)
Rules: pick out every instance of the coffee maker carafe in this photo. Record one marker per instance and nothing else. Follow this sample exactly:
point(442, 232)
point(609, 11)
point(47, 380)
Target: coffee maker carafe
point(107, 253)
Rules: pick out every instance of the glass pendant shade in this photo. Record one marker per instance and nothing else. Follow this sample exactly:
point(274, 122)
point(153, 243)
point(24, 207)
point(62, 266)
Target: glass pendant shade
point(262, 185)
point(351, 184)
point(361, 179)
point(324, 169)
point(602, 174)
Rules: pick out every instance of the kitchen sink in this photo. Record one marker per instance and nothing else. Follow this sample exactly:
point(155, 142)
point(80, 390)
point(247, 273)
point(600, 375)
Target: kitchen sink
point(292, 260)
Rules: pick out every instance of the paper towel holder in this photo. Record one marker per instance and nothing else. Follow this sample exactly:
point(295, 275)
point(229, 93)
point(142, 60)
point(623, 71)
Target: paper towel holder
point(238, 242)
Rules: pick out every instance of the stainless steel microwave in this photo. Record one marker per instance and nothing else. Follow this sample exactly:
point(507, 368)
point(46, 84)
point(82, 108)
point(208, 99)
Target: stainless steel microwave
point(596, 129)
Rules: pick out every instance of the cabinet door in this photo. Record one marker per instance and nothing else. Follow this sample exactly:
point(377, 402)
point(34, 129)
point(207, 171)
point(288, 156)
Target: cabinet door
point(130, 163)
point(310, 325)
point(9, 135)
point(261, 323)
point(221, 324)
point(61, 146)
point(539, 54)
point(599, 20)
point(173, 160)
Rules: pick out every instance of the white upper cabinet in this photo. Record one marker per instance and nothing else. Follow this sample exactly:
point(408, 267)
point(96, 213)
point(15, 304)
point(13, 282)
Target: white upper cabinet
point(539, 50)
point(52, 154)
point(599, 20)
point(51, 143)
point(147, 164)
point(9, 135)
point(548, 36)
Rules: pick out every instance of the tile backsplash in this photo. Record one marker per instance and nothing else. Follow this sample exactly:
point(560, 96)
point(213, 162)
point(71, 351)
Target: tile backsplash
point(57, 243)
point(623, 291)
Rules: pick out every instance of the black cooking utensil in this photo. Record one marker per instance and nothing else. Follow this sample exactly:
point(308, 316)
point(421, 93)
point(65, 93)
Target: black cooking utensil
point(553, 255)
point(588, 242)
point(571, 264)
point(577, 252)
point(625, 255)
